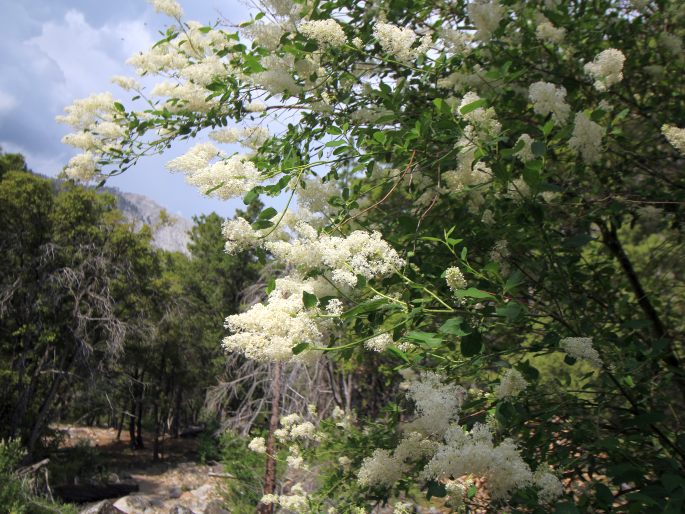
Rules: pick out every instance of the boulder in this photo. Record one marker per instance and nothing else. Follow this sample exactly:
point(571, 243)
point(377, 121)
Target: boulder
point(104, 507)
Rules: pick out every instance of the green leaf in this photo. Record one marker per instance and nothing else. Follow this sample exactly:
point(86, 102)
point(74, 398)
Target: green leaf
point(453, 327)
point(119, 107)
point(471, 344)
point(336, 142)
point(547, 127)
point(262, 224)
point(428, 338)
point(250, 197)
point(566, 508)
point(473, 106)
point(380, 137)
point(472, 292)
point(267, 213)
point(271, 285)
point(299, 348)
point(370, 306)
point(435, 489)
point(309, 300)
point(538, 148)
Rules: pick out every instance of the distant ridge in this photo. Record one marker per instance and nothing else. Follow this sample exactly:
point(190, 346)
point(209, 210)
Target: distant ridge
point(172, 235)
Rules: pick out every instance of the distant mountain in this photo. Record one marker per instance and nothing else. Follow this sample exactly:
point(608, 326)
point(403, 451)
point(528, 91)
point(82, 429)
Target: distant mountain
point(170, 232)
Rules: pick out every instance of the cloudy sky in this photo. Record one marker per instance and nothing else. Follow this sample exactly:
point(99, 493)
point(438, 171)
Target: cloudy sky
point(55, 51)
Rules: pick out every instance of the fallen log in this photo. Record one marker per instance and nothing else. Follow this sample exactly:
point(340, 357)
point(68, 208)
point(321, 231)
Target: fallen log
point(84, 493)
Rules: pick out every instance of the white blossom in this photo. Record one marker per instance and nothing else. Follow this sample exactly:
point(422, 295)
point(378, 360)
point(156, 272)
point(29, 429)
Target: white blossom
point(581, 348)
point(525, 154)
point(399, 41)
point(168, 7)
point(550, 488)
point(127, 83)
point(548, 98)
point(587, 138)
point(675, 136)
point(486, 17)
point(81, 167)
point(455, 278)
point(545, 31)
point(379, 343)
point(257, 445)
point(328, 33)
point(511, 384)
point(606, 69)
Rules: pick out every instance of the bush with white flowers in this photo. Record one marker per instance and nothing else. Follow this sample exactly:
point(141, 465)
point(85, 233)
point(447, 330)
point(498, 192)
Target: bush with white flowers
point(486, 196)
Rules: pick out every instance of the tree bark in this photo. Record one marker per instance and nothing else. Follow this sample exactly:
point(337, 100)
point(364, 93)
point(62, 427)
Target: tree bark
point(270, 473)
point(610, 236)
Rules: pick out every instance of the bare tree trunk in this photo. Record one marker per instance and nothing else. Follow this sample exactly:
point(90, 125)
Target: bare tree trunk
point(176, 423)
point(270, 473)
point(155, 444)
point(120, 426)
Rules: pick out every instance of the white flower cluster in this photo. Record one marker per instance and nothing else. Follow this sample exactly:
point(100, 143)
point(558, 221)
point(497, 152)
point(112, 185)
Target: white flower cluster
point(97, 131)
point(486, 17)
point(82, 167)
point(437, 404)
point(344, 258)
point(474, 453)
point(453, 453)
point(251, 137)
point(455, 279)
point(257, 445)
point(293, 427)
point(545, 31)
point(227, 178)
point(126, 83)
point(548, 98)
point(168, 7)
point(398, 41)
point(379, 343)
point(581, 348)
point(484, 120)
point(525, 154)
point(587, 138)
point(550, 488)
point(606, 69)
point(269, 331)
point(296, 501)
point(328, 33)
point(675, 136)
point(384, 468)
point(184, 96)
point(255, 106)
point(511, 384)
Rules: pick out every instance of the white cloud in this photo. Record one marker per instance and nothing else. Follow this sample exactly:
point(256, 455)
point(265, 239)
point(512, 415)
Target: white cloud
point(88, 56)
point(7, 102)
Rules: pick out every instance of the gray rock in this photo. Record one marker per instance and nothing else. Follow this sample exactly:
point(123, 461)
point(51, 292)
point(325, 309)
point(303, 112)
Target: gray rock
point(180, 509)
point(133, 504)
point(103, 507)
point(216, 507)
point(175, 492)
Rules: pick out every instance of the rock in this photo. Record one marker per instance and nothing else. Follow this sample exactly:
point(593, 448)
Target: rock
point(216, 507)
point(104, 507)
point(113, 478)
point(175, 492)
point(180, 509)
point(133, 504)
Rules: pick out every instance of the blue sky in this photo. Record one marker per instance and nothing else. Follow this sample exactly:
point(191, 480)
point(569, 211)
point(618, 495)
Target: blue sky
point(55, 51)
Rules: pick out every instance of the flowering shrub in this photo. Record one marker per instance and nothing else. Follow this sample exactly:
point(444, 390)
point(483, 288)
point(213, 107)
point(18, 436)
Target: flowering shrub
point(471, 189)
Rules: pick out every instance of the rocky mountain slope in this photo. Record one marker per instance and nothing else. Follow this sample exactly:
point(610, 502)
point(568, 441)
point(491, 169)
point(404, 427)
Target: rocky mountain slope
point(170, 232)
